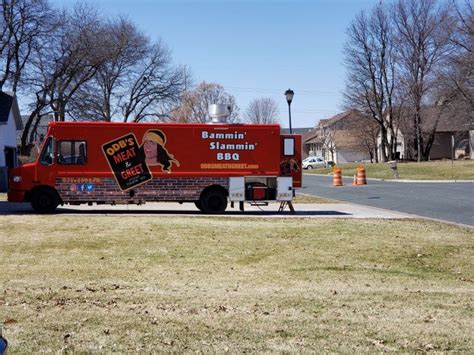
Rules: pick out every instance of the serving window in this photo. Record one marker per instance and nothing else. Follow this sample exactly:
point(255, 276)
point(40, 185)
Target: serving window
point(288, 146)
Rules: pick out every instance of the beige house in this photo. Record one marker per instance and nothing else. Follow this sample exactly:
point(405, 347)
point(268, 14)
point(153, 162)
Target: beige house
point(345, 146)
point(401, 145)
point(345, 137)
point(313, 144)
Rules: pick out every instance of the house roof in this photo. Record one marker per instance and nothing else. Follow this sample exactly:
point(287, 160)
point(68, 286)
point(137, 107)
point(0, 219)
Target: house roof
point(336, 118)
point(448, 121)
point(6, 102)
point(311, 133)
point(348, 120)
point(445, 120)
point(315, 139)
point(346, 139)
point(9, 103)
point(323, 122)
point(301, 131)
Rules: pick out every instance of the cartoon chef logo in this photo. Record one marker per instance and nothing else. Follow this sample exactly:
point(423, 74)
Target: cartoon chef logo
point(289, 166)
point(154, 149)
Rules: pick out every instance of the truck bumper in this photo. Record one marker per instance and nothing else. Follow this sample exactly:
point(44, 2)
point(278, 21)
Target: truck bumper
point(16, 196)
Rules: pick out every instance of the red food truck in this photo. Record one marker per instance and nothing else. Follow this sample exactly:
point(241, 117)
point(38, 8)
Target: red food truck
point(132, 163)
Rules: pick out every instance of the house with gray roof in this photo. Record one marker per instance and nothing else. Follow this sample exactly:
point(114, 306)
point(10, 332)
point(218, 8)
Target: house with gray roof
point(448, 128)
point(37, 131)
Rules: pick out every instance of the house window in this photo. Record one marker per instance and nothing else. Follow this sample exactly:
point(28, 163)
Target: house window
point(289, 146)
point(72, 153)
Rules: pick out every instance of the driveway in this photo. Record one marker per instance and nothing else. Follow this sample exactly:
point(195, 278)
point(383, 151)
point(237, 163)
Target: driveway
point(452, 202)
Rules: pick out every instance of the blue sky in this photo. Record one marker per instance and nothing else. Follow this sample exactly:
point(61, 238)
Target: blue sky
point(254, 48)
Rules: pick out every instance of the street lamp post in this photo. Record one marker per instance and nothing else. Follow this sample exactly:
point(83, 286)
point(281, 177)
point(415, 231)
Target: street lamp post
point(289, 97)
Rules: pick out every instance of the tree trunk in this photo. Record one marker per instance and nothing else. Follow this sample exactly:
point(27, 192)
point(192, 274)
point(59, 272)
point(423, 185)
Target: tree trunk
point(427, 149)
point(418, 138)
point(24, 146)
point(383, 136)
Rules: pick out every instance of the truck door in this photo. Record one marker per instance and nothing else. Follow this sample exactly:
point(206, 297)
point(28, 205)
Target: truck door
point(44, 170)
point(290, 159)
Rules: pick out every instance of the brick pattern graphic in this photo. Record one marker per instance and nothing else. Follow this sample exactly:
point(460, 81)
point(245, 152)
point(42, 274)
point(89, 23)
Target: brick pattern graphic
point(159, 189)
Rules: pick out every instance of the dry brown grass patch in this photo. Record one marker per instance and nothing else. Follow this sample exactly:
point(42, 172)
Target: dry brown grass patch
point(134, 283)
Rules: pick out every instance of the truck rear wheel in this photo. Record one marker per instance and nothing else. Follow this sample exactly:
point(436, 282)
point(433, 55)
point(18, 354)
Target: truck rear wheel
point(44, 201)
point(214, 201)
point(198, 205)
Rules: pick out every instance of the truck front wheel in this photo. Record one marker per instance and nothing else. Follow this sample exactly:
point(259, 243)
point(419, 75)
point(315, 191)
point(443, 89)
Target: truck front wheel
point(44, 201)
point(214, 201)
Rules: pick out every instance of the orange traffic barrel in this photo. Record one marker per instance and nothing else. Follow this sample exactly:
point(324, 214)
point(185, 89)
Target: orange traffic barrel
point(361, 179)
point(337, 177)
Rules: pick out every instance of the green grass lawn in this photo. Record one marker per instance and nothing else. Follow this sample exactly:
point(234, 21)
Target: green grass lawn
point(434, 170)
point(214, 284)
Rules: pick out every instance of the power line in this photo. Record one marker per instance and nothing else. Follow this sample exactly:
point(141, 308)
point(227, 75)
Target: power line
point(260, 90)
point(309, 110)
point(271, 91)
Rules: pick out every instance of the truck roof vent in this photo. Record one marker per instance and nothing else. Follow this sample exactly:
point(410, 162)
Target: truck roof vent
point(219, 113)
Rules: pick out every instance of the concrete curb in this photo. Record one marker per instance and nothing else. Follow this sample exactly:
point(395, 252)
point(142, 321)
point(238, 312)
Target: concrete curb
point(404, 180)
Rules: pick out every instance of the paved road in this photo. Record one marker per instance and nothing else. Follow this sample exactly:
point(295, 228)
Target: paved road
point(446, 201)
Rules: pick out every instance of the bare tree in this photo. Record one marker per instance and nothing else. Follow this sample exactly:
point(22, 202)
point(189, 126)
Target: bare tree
point(195, 103)
point(22, 23)
point(367, 131)
point(89, 69)
point(156, 87)
point(78, 54)
point(457, 78)
point(137, 82)
point(60, 63)
point(371, 66)
point(262, 111)
point(39, 77)
point(424, 45)
point(99, 98)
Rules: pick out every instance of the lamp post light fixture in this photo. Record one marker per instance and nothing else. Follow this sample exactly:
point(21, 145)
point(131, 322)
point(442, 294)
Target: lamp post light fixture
point(289, 97)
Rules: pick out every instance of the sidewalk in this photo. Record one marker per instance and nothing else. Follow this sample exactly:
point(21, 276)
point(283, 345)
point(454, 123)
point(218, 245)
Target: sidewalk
point(330, 210)
point(336, 210)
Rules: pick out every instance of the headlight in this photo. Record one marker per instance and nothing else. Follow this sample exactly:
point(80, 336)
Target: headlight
point(17, 179)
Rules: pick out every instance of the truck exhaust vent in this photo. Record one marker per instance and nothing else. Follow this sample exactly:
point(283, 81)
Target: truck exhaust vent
point(219, 113)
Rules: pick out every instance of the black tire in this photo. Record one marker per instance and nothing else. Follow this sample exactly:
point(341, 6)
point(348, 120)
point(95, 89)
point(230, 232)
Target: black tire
point(214, 201)
point(310, 167)
point(44, 201)
point(198, 205)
